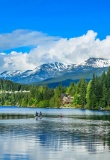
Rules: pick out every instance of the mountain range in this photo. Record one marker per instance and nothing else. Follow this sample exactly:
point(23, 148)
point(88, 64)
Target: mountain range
point(55, 73)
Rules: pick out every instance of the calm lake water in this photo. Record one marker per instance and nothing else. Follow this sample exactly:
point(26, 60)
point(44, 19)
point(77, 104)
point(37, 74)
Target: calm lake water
point(77, 135)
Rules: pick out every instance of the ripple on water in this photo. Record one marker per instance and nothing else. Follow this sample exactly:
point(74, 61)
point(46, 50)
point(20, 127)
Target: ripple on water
point(54, 138)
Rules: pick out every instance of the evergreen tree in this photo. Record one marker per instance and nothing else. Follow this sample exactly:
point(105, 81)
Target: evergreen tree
point(82, 92)
point(91, 93)
point(103, 99)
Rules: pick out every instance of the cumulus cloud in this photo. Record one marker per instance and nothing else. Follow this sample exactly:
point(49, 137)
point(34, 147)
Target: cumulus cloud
point(50, 49)
point(17, 61)
point(73, 50)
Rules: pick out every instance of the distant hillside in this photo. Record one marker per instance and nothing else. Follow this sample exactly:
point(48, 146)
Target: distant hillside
point(66, 79)
point(8, 85)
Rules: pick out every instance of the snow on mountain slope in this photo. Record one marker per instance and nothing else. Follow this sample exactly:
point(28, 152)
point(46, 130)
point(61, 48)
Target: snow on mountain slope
point(11, 73)
point(40, 73)
point(53, 70)
point(96, 62)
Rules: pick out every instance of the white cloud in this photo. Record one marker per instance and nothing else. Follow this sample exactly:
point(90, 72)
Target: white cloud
point(17, 61)
point(22, 38)
point(50, 49)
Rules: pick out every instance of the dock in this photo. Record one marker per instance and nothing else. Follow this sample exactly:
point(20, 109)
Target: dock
point(15, 115)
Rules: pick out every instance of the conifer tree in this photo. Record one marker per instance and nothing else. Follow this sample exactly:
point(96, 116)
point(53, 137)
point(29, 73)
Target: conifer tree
point(82, 92)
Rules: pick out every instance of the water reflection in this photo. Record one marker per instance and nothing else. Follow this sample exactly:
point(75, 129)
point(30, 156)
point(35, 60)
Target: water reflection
point(54, 138)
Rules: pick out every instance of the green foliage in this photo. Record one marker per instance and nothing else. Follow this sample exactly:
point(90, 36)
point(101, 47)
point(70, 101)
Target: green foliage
point(93, 95)
point(71, 89)
point(82, 92)
point(76, 99)
point(36, 96)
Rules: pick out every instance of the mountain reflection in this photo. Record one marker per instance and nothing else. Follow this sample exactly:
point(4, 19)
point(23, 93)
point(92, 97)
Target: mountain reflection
point(51, 138)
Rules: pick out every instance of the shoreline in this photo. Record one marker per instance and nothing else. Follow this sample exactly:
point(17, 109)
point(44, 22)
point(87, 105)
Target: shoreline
point(102, 109)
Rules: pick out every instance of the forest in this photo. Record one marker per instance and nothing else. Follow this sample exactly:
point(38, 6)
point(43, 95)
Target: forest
point(94, 94)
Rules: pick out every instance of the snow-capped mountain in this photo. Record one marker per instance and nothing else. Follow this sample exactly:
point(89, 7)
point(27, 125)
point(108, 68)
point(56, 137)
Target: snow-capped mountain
point(11, 73)
point(55, 70)
point(96, 63)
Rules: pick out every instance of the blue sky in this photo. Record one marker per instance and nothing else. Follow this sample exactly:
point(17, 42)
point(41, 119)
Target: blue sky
point(26, 25)
point(65, 18)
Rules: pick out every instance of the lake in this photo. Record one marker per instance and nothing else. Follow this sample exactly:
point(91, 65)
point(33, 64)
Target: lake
point(73, 134)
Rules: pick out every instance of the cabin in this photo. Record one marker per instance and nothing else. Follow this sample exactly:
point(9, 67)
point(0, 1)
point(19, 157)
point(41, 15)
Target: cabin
point(66, 99)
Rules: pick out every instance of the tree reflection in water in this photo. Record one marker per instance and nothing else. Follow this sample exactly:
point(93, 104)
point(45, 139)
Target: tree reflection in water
point(52, 138)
